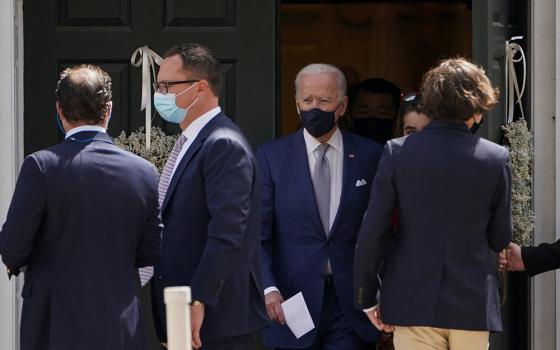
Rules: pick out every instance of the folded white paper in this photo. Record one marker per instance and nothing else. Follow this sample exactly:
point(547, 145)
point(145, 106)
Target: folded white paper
point(297, 315)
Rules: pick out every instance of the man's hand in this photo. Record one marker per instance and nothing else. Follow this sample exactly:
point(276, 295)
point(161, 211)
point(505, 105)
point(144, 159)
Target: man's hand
point(502, 260)
point(374, 316)
point(273, 308)
point(197, 316)
point(514, 258)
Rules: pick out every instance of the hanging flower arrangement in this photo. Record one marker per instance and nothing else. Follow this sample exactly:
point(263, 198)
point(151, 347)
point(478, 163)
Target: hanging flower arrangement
point(157, 154)
point(519, 141)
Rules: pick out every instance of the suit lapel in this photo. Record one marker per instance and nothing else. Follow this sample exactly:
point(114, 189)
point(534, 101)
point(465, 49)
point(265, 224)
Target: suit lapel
point(350, 164)
point(299, 165)
point(193, 149)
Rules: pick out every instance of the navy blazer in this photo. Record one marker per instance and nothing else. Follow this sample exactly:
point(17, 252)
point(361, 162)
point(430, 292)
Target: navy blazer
point(211, 234)
point(83, 218)
point(452, 190)
point(295, 247)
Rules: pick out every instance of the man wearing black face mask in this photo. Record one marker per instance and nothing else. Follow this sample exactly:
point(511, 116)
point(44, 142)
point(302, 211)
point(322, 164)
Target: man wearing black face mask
point(374, 104)
point(314, 189)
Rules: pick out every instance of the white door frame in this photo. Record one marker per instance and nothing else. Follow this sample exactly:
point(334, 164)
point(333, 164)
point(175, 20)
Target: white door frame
point(11, 150)
point(544, 106)
point(557, 149)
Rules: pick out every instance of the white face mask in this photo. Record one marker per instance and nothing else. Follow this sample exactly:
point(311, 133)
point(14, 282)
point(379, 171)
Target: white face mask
point(166, 105)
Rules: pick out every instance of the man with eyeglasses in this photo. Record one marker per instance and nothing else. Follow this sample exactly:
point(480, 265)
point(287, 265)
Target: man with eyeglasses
point(209, 207)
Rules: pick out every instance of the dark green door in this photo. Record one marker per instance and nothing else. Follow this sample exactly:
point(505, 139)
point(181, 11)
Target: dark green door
point(494, 22)
point(60, 33)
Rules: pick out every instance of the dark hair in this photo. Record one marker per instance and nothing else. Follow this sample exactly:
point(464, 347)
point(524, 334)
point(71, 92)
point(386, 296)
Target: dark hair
point(411, 102)
point(457, 89)
point(375, 86)
point(200, 61)
point(83, 93)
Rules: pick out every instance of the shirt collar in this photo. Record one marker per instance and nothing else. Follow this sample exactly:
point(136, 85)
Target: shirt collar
point(441, 123)
point(191, 132)
point(311, 143)
point(81, 128)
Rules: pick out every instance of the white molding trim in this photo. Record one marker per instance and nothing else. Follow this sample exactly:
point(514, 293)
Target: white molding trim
point(557, 149)
point(543, 30)
point(11, 150)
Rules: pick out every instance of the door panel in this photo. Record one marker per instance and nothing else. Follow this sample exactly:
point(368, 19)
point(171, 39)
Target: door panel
point(59, 33)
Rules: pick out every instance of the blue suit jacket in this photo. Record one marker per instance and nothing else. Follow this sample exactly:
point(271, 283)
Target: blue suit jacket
point(295, 247)
point(83, 218)
point(211, 234)
point(453, 194)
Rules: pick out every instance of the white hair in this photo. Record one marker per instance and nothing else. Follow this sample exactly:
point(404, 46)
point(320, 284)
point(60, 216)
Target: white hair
point(322, 68)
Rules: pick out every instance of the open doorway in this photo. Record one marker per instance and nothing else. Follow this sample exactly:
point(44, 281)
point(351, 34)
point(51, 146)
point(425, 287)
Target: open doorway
point(395, 40)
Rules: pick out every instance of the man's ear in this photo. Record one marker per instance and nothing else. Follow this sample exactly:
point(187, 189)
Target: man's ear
point(344, 105)
point(59, 111)
point(109, 110)
point(203, 85)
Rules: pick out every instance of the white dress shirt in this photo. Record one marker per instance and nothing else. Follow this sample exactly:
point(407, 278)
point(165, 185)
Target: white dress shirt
point(192, 131)
point(81, 128)
point(335, 157)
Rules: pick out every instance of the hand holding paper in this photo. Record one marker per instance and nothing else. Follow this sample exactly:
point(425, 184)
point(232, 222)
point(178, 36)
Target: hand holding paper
point(297, 315)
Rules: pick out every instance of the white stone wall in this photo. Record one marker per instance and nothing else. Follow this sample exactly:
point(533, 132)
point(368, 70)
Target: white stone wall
point(557, 149)
point(11, 141)
point(543, 58)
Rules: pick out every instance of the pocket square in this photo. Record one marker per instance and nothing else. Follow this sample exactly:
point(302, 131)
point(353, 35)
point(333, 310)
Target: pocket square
point(361, 183)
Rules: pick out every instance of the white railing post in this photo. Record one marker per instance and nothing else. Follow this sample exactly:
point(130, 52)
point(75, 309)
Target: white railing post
point(178, 309)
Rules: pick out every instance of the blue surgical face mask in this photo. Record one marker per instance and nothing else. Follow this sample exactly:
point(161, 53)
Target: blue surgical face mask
point(166, 105)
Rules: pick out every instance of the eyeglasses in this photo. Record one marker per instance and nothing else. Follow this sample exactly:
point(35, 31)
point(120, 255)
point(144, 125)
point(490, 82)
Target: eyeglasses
point(163, 87)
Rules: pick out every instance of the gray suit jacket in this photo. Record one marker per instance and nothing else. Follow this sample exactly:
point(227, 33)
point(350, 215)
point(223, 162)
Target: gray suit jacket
point(452, 193)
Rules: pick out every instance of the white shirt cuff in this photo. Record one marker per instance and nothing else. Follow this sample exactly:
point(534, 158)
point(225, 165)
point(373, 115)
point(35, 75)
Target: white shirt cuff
point(370, 309)
point(271, 289)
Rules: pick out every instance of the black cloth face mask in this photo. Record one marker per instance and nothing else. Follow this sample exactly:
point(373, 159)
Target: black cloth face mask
point(377, 129)
point(476, 126)
point(317, 122)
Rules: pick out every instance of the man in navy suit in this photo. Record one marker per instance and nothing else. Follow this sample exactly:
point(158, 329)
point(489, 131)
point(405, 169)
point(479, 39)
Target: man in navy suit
point(452, 190)
point(315, 185)
point(83, 217)
point(210, 208)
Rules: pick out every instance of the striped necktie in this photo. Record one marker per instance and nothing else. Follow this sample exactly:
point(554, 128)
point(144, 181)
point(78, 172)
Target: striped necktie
point(164, 180)
point(322, 186)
